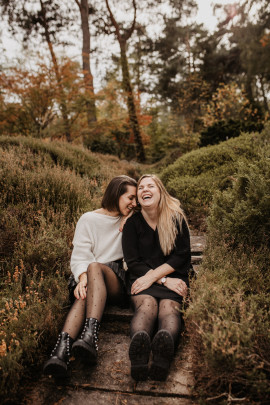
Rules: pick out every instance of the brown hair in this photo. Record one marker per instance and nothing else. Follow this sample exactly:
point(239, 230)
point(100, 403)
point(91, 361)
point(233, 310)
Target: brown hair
point(170, 214)
point(116, 188)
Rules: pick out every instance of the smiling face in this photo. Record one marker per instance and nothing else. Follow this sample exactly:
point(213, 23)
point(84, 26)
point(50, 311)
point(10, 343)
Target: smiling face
point(127, 201)
point(148, 193)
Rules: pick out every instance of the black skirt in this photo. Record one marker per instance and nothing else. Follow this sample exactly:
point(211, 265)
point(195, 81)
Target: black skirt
point(157, 291)
point(117, 267)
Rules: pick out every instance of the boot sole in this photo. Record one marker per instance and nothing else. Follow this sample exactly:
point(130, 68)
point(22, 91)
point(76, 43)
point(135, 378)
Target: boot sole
point(139, 351)
point(84, 352)
point(56, 368)
point(163, 351)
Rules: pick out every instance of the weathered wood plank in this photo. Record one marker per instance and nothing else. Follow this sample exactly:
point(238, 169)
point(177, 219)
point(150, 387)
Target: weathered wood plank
point(111, 376)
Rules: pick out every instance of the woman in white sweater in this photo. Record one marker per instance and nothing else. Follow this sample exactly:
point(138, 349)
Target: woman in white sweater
point(96, 264)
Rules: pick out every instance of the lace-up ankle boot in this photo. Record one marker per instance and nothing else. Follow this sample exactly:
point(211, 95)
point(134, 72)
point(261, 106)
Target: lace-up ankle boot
point(59, 359)
point(86, 347)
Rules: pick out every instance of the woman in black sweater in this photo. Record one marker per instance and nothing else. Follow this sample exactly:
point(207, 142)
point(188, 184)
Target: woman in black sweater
point(156, 246)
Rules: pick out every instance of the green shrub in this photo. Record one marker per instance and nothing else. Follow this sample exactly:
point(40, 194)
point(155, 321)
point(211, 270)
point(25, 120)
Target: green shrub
point(229, 323)
point(195, 177)
point(103, 145)
point(223, 130)
point(228, 317)
point(240, 215)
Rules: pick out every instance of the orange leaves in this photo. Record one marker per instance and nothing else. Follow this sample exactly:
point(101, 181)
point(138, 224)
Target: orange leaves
point(192, 99)
point(228, 102)
point(265, 40)
point(3, 348)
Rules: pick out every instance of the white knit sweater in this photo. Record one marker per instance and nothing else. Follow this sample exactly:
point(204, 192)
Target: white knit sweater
point(97, 239)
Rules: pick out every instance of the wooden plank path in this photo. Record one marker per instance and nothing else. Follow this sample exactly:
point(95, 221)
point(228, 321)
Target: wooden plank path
point(110, 381)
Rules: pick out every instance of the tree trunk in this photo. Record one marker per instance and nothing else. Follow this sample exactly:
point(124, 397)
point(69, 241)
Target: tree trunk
point(248, 88)
point(63, 106)
point(88, 78)
point(130, 103)
point(126, 83)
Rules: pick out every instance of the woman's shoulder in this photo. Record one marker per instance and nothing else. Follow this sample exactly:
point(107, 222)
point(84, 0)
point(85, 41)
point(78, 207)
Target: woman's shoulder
point(135, 218)
point(89, 217)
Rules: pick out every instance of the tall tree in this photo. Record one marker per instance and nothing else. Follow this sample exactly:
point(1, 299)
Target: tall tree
point(88, 77)
point(246, 25)
point(44, 18)
point(122, 38)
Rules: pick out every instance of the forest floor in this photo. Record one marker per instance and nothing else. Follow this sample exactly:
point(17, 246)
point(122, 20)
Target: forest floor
point(110, 381)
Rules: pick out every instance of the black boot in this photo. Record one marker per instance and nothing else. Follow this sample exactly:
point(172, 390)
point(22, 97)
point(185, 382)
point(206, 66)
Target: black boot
point(59, 360)
point(139, 351)
point(163, 351)
point(86, 347)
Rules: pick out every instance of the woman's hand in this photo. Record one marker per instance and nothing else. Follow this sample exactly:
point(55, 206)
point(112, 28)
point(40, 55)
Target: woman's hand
point(81, 289)
point(177, 285)
point(142, 283)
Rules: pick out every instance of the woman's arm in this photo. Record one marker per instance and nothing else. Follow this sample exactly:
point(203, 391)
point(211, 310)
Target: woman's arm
point(151, 277)
point(82, 254)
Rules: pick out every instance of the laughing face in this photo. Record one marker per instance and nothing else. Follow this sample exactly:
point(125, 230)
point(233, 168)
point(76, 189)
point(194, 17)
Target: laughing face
point(148, 193)
point(127, 201)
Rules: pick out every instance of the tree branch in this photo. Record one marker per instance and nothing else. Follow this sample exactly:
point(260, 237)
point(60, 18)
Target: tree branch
point(78, 3)
point(131, 30)
point(114, 22)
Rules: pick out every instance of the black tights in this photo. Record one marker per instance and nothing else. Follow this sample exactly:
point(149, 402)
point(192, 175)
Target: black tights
point(102, 283)
point(147, 310)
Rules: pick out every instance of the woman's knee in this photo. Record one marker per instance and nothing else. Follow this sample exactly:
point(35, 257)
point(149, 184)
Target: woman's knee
point(94, 272)
point(93, 267)
point(146, 303)
point(169, 307)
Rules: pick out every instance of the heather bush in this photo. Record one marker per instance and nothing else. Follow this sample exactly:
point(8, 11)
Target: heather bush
point(39, 206)
point(44, 189)
point(195, 177)
point(51, 153)
point(31, 308)
point(242, 212)
point(229, 324)
point(228, 317)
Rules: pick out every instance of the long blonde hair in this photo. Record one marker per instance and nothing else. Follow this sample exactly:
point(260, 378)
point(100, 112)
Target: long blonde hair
point(170, 214)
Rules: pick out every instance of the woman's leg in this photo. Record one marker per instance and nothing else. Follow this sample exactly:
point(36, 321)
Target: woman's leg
point(142, 325)
point(75, 319)
point(102, 283)
point(59, 359)
point(166, 339)
point(145, 314)
point(169, 318)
